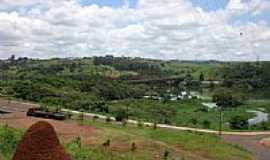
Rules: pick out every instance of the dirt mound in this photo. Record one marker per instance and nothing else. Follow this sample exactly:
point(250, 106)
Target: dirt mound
point(40, 142)
point(265, 142)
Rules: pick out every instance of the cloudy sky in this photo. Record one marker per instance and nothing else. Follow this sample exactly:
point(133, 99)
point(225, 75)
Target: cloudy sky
point(163, 29)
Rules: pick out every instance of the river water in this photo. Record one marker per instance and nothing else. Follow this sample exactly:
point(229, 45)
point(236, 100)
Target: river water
point(259, 118)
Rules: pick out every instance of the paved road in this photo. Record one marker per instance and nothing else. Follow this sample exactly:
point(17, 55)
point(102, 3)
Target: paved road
point(176, 127)
point(251, 143)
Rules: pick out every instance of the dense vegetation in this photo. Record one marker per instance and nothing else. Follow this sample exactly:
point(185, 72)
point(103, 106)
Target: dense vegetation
point(106, 85)
point(252, 78)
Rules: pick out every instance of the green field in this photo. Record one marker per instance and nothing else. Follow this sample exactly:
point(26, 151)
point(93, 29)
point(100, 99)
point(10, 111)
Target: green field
point(189, 113)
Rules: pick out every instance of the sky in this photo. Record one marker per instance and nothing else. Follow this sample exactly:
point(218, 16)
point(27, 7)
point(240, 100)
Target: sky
point(226, 30)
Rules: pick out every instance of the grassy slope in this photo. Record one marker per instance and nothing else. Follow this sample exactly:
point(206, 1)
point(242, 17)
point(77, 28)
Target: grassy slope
point(150, 143)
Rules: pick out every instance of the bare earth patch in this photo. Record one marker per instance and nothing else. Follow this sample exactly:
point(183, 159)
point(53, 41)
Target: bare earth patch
point(266, 142)
point(67, 130)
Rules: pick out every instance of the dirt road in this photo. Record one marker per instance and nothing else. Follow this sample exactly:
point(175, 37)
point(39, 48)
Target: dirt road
point(65, 129)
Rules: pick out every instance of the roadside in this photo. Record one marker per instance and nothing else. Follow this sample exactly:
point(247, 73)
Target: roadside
point(91, 115)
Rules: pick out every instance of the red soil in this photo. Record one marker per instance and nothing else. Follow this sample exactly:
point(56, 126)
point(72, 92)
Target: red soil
point(40, 142)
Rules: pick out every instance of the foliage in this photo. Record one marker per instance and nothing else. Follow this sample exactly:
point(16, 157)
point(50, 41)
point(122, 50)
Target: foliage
point(247, 76)
point(124, 63)
point(239, 122)
point(120, 115)
point(227, 98)
point(8, 142)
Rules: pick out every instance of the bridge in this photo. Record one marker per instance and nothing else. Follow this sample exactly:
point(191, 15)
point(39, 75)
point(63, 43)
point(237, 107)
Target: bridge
point(167, 80)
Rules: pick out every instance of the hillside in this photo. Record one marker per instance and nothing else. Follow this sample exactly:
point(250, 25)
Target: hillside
point(130, 143)
point(117, 86)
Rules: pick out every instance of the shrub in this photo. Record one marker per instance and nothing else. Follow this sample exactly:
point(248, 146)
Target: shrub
point(155, 125)
point(78, 142)
point(95, 118)
point(194, 121)
point(68, 115)
point(124, 123)
point(120, 115)
point(108, 119)
point(206, 124)
point(239, 122)
point(140, 123)
point(133, 147)
point(8, 141)
point(228, 98)
point(81, 116)
point(107, 143)
point(166, 154)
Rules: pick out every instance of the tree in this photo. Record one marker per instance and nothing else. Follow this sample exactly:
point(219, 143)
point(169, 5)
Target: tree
point(201, 77)
point(120, 115)
point(223, 99)
point(206, 124)
point(11, 58)
point(239, 122)
point(227, 98)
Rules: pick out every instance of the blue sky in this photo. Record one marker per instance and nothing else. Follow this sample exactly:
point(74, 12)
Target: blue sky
point(208, 5)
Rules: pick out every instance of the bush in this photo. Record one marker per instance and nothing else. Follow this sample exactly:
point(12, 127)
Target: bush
point(124, 123)
point(68, 115)
point(228, 98)
point(108, 119)
point(133, 147)
point(166, 154)
point(95, 118)
point(194, 121)
point(8, 141)
point(239, 122)
point(155, 125)
point(78, 142)
point(107, 143)
point(120, 115)
point(140, 124)
point(206, 124)
point(81, 116)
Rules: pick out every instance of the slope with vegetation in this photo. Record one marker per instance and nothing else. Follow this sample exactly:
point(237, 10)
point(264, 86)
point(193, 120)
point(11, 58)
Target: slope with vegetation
point(111, 141)
point(102, 85)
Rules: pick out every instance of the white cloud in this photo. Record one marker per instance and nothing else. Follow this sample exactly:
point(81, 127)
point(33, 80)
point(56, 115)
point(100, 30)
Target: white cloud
point(163, 29)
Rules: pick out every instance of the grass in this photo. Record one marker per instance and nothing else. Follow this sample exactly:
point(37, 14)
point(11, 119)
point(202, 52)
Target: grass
point(8, 141)
point(153, 143)
point(189, 113)
point(150, 144)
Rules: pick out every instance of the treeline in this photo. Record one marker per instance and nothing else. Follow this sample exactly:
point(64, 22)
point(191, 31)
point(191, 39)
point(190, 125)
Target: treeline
point(75, 84)
point(250, 77)
point(130, 64)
